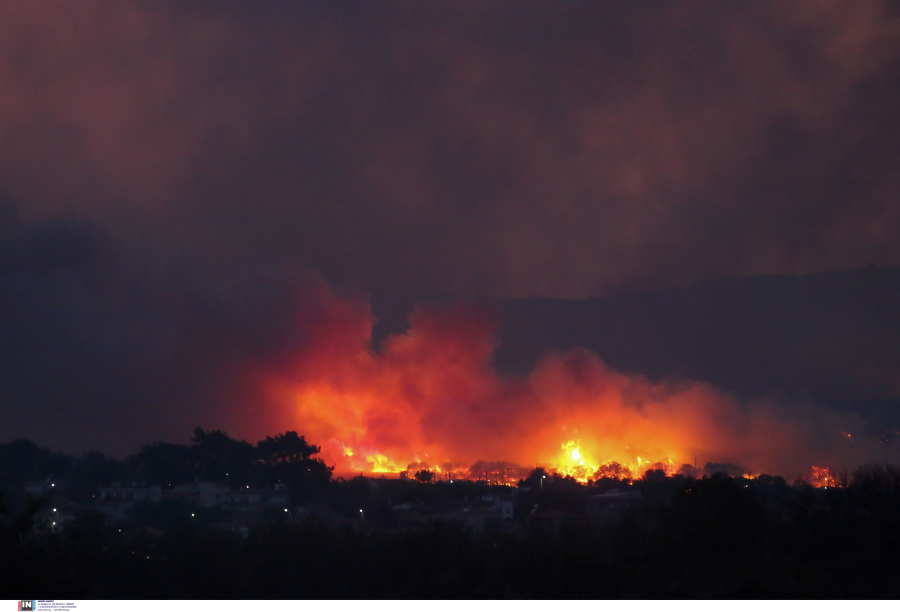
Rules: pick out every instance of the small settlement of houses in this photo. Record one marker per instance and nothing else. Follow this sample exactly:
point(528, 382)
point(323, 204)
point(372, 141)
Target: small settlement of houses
point(240, 509)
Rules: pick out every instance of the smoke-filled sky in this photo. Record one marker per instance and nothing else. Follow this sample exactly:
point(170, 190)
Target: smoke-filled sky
point(194, 194)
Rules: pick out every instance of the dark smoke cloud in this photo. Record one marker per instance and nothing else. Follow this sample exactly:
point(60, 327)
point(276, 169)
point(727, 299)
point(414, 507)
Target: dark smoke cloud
point(493, 147)
point(185, 175)
point(100, 350)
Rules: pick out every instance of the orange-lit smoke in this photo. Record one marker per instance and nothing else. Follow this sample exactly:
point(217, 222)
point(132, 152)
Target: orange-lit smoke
point(432, 398)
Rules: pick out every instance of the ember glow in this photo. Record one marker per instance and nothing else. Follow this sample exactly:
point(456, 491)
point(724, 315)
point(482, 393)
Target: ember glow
point(822, 477)
point(430, 399)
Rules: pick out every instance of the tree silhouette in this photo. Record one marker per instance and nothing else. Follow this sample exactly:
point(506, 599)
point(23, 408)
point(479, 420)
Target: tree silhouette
point(285, 448)
point(220, 457)
point(534, 479)
point(288, 458)
point(22, 461)
point(612, 470)
point(92, 471)
point(162, 463)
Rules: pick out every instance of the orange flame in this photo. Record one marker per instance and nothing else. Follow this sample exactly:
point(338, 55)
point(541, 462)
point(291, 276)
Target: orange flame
point(823, 477)
point(431, 394)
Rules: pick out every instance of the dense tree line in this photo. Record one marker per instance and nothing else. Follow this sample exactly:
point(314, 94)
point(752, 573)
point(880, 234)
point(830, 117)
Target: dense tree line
point(713, 537)
point(211, 456)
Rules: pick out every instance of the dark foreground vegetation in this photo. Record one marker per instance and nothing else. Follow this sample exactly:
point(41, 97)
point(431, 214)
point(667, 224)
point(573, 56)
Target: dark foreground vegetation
point(679, 537)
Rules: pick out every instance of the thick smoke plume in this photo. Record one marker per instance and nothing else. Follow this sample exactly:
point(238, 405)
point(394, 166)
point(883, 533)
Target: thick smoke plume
point(175, 176)
point(482, 148)
point(431, 397)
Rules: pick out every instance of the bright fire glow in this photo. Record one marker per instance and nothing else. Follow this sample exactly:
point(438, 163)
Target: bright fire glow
point(824, 477)
point(430, 399)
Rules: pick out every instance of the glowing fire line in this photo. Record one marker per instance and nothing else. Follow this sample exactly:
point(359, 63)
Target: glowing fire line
point(572, 463)
point(430, 400)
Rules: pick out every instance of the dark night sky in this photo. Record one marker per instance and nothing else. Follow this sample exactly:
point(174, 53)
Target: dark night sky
point(181, 183)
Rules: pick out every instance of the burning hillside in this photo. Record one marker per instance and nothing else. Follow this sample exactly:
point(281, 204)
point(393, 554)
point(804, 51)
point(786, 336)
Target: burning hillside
point(430, 399)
